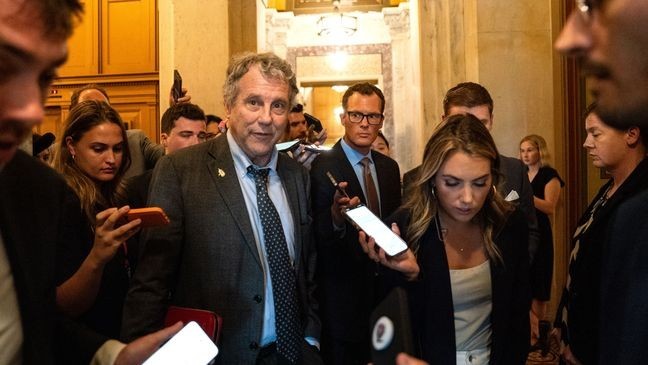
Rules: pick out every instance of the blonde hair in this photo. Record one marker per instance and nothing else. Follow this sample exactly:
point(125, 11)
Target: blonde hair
point(539, 143)
point(94, 196)
point(459, 133)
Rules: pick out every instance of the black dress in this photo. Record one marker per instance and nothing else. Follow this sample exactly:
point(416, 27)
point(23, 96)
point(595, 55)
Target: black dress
point(542, 266)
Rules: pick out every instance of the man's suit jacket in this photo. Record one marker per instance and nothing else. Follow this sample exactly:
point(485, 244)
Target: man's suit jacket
point(144, 153)
point(345, 276)
point(38, 212)
point(516, 179)
point(207, 257)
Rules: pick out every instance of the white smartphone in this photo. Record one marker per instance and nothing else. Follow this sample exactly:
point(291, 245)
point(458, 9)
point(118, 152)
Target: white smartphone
point(316, 148)
point(190, 346)
point(287, 146)
point(364, 219)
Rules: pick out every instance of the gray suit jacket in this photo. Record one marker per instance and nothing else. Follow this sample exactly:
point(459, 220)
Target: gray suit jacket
point(207, 257)
point(144, 153)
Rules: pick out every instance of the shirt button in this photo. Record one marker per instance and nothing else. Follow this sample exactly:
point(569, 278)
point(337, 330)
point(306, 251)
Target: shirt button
point(254, 345)
point(257, 298)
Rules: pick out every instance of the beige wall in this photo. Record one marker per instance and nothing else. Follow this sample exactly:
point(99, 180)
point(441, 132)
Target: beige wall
point(507, 47)
point(193, 38)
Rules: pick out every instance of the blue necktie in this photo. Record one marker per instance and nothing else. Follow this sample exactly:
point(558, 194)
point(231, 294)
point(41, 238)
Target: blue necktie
point(282, 273)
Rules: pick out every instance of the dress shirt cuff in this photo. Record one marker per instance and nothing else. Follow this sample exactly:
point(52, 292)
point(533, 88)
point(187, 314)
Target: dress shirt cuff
point(340, 231)
point(313, 342)
point(107, 353)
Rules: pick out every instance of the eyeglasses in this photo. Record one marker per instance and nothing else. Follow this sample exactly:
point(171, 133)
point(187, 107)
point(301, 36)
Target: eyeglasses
point(357, 117)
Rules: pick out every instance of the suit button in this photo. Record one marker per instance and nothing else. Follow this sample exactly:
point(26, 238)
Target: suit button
point(257, 298)
point(254, 346)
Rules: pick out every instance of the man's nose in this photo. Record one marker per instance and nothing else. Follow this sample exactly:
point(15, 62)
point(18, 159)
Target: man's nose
point(575, 39)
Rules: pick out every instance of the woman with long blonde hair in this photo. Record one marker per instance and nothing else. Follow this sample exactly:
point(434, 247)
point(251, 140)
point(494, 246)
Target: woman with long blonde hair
point(466, 268)
point(546, 184)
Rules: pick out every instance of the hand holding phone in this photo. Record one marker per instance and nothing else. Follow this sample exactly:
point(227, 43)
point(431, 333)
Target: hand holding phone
point(176, 90)
point(190, 346)
point(151, 217)
point(364, 219)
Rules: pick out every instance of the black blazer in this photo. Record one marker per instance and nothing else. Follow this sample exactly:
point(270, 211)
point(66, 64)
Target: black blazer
point(38, 212)
point(345, 276)
point(585, 286)
point(431, 303)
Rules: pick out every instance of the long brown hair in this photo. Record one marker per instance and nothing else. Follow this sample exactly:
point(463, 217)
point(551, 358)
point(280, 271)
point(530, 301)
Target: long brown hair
point(94, 196)
point(459, 133)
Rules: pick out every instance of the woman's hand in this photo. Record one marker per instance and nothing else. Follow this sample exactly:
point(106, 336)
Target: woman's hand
point(404, 262)
point(109, 234)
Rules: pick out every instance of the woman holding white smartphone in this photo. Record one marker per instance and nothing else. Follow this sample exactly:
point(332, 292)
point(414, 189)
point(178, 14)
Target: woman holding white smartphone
point(466, 269)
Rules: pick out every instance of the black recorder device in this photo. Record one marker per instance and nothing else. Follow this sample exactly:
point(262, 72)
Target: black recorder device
point(391, 331)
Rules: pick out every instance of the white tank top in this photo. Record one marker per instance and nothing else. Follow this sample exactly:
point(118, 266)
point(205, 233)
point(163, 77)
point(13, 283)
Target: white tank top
point(473, 302)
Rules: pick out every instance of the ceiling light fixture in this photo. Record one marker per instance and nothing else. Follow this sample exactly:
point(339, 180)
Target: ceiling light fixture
point(337, 24)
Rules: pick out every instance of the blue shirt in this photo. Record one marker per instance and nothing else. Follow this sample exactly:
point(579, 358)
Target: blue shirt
point(354, 158)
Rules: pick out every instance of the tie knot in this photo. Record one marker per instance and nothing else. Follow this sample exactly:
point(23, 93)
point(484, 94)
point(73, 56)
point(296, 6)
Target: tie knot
point(365, 162)
point(258, 174)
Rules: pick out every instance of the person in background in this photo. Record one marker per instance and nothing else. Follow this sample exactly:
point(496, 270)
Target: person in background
point(42, 146)
point(345, 277)
point(93, 277)
point(608, 40)
point(215, 126)
point(381, 144)
point(144, 152)
point(183, 125)
point(35, 221)
point(546, 184)
point(465, 269)
point(621, 153)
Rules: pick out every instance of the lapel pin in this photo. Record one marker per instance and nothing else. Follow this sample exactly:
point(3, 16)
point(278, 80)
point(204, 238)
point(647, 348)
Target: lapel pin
point(221, 173)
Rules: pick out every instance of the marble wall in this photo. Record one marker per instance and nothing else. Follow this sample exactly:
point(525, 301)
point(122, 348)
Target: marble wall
point(193, 38)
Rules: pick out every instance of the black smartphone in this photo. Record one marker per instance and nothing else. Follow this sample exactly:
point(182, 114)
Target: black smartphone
point(177, 86)
point(391, 331)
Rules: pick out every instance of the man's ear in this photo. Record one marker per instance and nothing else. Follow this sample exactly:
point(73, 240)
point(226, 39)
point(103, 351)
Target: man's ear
point(632, 136)
point(164, 139)
point(69, 144)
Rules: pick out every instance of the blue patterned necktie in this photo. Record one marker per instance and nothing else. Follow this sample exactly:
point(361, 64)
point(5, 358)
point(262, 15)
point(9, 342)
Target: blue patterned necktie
point(282, 273)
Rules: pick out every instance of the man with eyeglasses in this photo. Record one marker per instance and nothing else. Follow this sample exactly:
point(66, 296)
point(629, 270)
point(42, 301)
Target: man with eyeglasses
point(183, 125)
point(610, 38)
point(345, 276)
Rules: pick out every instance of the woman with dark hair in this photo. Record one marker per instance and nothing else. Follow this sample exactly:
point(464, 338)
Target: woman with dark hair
point(621, 153)
point(546, 184)
point(466, 269)
point(92, 157)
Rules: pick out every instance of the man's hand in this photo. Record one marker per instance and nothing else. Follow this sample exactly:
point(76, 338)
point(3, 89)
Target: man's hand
point(341, 203)
point(184, 98)
point(141, 349)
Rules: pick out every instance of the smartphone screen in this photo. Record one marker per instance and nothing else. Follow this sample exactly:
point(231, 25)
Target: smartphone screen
point(190, 346)
point(287, 146)
point(365, 220)
point(317, 148)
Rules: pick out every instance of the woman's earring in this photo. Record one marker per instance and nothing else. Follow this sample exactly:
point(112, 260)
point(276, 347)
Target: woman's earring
point(434, 192)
